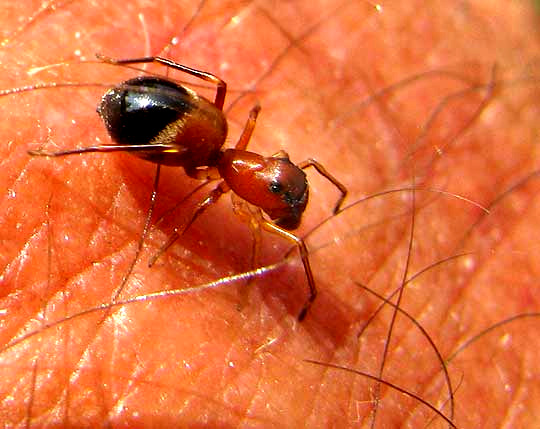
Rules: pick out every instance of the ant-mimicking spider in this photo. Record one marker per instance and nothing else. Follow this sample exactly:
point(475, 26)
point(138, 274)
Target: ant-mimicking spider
point(166, 123)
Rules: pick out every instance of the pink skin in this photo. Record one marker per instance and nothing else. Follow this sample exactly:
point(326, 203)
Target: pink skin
point(196, 358)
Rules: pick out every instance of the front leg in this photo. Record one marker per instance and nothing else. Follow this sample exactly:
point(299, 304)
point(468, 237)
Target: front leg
point(211, 199)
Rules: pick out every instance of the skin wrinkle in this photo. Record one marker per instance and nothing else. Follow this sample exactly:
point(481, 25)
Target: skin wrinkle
point(247, 412)
point(424, 333)
point(513, 404)
point(288, 299)
point(478, 272)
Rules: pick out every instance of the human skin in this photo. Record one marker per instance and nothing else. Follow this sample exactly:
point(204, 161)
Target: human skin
point(70, 226)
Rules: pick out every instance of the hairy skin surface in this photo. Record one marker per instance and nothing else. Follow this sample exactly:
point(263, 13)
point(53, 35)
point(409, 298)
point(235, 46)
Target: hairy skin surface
point(69, 227)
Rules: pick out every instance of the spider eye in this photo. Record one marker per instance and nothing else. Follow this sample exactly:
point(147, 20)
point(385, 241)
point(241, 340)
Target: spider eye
point(275, 187)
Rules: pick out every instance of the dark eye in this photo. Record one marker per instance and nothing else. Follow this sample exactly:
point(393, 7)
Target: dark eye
point(275, 187)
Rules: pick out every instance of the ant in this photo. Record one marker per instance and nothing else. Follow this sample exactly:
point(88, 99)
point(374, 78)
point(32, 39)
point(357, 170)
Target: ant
point(166, 123)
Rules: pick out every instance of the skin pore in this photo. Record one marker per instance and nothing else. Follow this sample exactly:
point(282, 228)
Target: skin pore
point(70, 227)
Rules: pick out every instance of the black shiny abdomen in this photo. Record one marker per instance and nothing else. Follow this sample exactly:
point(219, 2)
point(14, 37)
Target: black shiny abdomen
point(149, 110)
point(136, 111)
